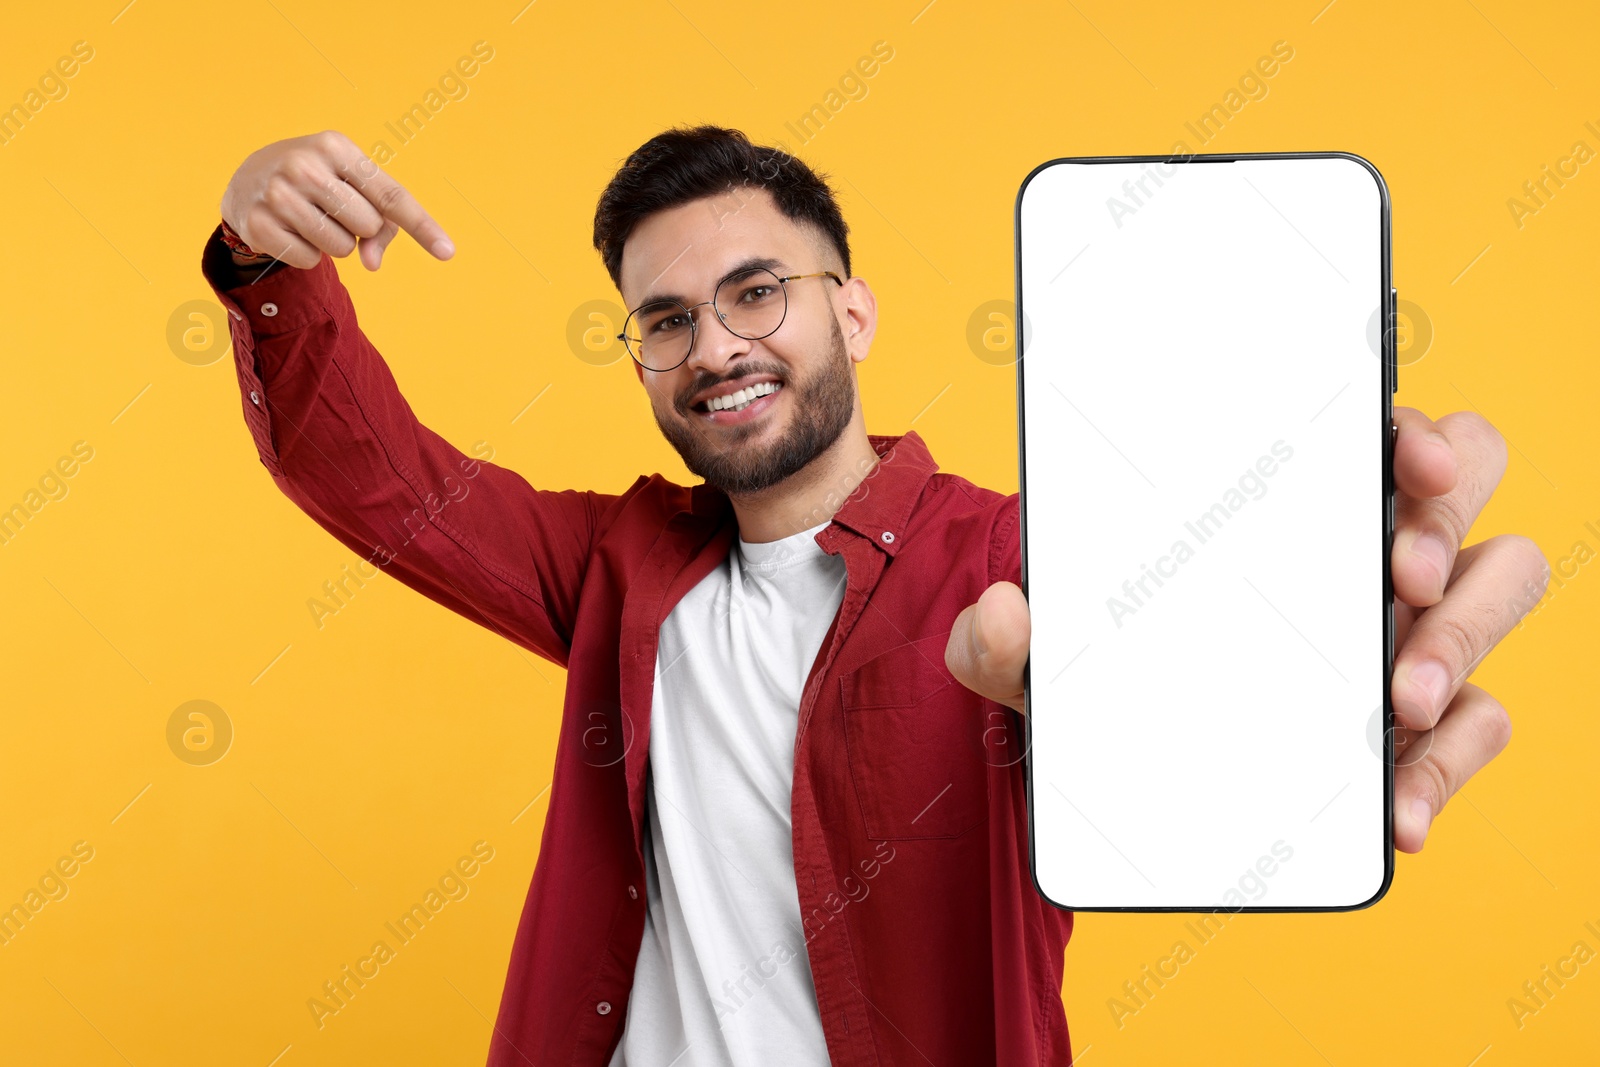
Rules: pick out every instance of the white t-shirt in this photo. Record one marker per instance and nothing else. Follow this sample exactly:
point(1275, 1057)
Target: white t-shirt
point(723, 979)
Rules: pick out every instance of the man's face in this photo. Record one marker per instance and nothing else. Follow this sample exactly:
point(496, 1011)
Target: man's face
point(683, 253)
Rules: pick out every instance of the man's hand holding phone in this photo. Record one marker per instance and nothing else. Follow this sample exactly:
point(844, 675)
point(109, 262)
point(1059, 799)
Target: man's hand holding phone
point(1453, 605)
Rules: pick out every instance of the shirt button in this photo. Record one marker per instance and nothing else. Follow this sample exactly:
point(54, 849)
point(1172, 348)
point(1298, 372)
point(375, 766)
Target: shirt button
point(888, 537)
point(269, 310)
point(255, 398)
point(604, 1007)
point(633, 893)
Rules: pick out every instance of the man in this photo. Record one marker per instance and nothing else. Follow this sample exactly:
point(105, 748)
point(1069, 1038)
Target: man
point(779, 830)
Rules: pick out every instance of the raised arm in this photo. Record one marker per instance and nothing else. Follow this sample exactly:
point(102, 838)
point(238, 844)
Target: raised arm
point(329, 422)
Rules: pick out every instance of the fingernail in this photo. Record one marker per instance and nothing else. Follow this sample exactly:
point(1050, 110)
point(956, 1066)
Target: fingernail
point(443, 248)
point(1422, 814)
point(977, 637)
point(1430, 549)
point(1433, 681)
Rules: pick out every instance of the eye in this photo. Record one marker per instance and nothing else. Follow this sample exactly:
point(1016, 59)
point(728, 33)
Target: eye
point(757, 294)
point(660, 319)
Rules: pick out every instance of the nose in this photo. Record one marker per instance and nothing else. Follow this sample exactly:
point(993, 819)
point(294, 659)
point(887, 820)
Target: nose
point(714, 344)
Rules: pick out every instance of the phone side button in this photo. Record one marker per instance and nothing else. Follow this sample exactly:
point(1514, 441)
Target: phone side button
point(1394, 340)
point(1391, 637)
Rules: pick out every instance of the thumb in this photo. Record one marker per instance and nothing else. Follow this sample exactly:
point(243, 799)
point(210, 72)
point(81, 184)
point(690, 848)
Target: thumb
point(988, 645)
point(372, 247)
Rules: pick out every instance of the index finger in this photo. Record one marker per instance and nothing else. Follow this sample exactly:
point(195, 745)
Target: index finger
point(392, 200)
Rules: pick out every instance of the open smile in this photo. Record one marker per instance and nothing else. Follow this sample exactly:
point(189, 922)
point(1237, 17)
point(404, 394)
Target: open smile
point(746, 405)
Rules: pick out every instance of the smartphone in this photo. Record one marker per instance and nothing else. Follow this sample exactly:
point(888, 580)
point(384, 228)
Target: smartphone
point(1204, 378)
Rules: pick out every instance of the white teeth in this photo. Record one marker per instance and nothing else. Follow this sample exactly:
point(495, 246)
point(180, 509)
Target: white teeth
point(736, 401)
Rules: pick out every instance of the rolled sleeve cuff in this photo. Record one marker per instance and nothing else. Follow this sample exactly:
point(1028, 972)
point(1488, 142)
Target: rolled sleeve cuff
point(281, 302)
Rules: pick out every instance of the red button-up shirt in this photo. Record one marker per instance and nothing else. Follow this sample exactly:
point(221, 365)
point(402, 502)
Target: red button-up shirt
point(927, 940)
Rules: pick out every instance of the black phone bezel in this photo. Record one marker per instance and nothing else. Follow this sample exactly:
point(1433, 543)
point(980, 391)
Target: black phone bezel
point(1389, 384)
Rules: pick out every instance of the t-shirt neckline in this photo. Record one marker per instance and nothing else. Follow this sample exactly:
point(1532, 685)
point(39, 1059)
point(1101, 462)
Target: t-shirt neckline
point(771, 554)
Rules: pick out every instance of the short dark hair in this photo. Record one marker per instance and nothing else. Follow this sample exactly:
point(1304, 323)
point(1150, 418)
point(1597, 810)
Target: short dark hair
point(687, 163)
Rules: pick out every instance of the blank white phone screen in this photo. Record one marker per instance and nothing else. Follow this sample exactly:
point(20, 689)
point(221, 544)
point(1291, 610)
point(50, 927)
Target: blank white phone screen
point(1204, 433)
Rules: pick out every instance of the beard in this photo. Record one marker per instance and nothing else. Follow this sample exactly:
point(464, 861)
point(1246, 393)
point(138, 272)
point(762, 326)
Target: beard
point(822, 404)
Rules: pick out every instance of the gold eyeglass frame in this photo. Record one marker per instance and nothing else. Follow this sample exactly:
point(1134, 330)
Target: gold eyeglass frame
point(694, 325)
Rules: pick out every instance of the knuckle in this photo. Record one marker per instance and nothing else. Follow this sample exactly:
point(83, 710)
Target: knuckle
point(1455, 639)
point(1469, 418)
point(362, 225)
point(1484, 431)
point(1452, 514)
point(263, 230)
point(389, 197)
point(278, 194)
point(1474, 423)
point(1485, 721)
point(358, 171)
point(1520, 561)
point(303, 169)
point(335, 239)
point(1496, 442)
point(1496, 727)
point(1531, 562)
point(1436, 786)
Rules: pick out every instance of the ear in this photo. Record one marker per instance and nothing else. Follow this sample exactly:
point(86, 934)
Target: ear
point(638, 370)
point(861, 317)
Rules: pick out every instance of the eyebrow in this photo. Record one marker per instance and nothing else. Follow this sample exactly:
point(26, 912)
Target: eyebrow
point(748, 263)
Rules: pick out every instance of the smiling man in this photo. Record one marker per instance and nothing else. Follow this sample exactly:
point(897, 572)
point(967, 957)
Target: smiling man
point(787, 823)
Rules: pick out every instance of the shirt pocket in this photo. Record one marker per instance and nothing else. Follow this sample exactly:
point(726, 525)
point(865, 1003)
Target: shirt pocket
point(912, 739)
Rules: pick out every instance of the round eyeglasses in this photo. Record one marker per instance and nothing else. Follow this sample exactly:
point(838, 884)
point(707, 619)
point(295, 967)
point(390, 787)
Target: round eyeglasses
point(660, 335)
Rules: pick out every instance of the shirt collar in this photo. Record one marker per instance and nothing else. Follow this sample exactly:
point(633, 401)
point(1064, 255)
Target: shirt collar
point(880, 507)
